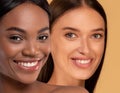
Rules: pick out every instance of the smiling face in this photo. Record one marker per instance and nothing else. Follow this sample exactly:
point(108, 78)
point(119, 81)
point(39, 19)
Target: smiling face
point(24, 42)
point(77, 45)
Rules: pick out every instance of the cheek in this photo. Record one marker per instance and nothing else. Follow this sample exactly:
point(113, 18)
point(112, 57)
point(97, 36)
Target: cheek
point(44, 48)
point(99, 49)
point(47, 50)
point(58, 47)
point(7, 53)
point(11, 51)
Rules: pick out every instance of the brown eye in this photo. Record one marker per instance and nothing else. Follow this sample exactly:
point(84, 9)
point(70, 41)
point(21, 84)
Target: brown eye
point(16, 38)
point(43, 37)
point(97, 36)
point(70, 35)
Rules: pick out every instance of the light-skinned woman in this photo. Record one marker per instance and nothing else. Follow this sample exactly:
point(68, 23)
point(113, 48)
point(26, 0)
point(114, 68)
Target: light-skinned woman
point(78, 43)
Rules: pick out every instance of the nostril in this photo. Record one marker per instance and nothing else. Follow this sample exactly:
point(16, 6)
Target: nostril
point(84, 50)
point(31, 49)
point(29, 52)
point(14, 61)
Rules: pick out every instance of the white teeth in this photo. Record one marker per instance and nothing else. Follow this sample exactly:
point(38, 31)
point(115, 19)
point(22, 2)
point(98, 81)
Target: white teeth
point(83, 61)
point(28, 64)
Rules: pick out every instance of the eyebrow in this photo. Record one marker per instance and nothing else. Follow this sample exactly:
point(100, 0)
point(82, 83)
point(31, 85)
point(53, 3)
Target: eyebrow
point(44, 29)
point(23, 31)
point(16, 29)
point(74, 29)
point(70, 28)
point(99, 29)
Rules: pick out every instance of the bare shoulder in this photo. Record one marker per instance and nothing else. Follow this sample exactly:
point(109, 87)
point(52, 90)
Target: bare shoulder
point(70, 89)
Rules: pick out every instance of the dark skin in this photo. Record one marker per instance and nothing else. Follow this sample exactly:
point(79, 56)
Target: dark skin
point(24, 49)
point(36, 87)
point(21, 62)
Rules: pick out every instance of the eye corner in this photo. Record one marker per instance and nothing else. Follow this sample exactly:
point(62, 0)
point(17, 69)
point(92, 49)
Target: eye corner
point(97, 35)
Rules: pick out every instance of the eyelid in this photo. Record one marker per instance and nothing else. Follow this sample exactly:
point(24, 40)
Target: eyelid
point(96, 34)
point(15, 39)
point(15, 36)
point(70, 35)
point(43, 35)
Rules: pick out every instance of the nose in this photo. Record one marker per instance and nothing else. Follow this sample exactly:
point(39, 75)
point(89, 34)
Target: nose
point(84, 47)
point(31, 49)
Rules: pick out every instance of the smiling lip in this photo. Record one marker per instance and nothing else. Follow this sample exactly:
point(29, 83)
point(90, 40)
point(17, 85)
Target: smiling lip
point(28, 65)
point(82, 62)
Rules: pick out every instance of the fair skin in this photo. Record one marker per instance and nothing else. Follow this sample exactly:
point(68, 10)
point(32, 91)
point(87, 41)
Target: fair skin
point(24, 48)
point(77, 46)
point(69, 89)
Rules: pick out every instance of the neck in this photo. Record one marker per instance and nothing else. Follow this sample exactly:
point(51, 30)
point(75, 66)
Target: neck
point(66, 81)
point(8, 85)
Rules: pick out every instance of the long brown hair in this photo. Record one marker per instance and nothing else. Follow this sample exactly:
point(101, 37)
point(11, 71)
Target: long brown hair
point(58, 8)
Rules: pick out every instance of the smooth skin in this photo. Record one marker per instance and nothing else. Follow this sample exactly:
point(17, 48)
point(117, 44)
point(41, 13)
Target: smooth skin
point(77, 46)
point(24, 47)
point(69, 89)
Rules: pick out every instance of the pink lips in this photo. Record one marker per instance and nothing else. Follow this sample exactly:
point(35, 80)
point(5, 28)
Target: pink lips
point(82, 62)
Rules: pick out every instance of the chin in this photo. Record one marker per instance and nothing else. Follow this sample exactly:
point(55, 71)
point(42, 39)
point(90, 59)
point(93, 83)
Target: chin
point(27, 80)
point(82, 77)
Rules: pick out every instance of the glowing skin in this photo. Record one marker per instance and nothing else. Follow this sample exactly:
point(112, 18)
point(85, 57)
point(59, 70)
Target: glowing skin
point(24, 42)
point(69, 89)
point(77, 46)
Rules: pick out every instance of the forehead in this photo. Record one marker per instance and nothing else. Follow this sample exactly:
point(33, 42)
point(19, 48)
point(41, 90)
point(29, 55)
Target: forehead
point(26, 13)
point(80, 17)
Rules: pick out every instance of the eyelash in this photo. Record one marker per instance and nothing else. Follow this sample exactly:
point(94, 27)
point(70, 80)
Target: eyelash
point(15, 38)
point(70, 35)
point(97, 36)
point(43, 37)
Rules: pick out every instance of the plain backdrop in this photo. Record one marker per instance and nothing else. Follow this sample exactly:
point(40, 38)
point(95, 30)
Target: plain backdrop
point(110, 77)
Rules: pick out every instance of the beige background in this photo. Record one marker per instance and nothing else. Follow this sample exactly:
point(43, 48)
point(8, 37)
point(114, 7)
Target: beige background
point(109, 79)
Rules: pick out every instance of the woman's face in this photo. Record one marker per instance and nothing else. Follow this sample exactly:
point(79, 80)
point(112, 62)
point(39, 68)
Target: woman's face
point(24, 42)
point(77, 43)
